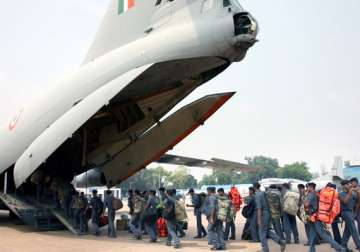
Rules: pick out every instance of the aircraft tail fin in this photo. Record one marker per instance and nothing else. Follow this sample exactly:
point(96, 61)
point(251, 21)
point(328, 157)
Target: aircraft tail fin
point(124, 21)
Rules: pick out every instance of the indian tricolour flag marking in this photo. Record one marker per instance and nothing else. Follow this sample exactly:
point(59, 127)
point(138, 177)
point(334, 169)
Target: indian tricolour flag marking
point(125, 5)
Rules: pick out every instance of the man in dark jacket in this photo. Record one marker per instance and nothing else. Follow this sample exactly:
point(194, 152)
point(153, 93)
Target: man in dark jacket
point(263, 220)
point(169, 215)
point(109, 199)
point(196, 204)
point(96, 211)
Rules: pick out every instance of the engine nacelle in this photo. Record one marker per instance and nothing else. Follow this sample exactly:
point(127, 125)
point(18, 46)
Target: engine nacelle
point(91, 178)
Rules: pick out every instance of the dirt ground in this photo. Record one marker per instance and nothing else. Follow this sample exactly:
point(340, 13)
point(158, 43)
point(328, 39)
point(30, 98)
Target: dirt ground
point(22, 238)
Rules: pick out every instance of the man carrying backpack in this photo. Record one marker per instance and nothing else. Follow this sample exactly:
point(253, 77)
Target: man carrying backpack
point(211, 209)
point(135, 224)
point(348, 199)
point(317, 227)
point(250, 214)
point(355, 185)
point(273, 196)
point(96, 210)
point(169, 215)
point(197, 204)
point(235, 197)
point(263, 218)
point(109, 205)
point(150, 212)
point(289, 219)
point(220, 214)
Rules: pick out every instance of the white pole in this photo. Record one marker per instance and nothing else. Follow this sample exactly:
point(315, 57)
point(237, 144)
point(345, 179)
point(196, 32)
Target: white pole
point(5, 183)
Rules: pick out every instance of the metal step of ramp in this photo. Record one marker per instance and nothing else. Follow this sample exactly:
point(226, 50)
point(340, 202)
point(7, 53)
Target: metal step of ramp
point(67, 222)
point(14, 204)
point(41, 216)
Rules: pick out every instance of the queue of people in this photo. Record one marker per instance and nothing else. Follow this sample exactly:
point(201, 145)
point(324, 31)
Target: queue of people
point(273, 214)
point(147, 210)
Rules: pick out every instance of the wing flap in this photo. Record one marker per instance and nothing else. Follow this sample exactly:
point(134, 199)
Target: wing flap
point(65, 126)
point(214, 163)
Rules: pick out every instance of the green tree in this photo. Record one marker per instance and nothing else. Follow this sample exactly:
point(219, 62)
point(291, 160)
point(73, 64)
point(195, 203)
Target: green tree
point(181, 178)
point(267, 168)
point(297, 170)
point(147, 179)
point(223, 176)
point(208, 180)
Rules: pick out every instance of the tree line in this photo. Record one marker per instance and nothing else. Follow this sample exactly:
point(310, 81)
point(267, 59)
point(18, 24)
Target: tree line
point(181, 178)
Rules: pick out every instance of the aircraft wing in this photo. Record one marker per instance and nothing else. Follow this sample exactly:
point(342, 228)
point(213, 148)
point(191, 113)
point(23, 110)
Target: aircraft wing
point(214, 163)
point(57, 133)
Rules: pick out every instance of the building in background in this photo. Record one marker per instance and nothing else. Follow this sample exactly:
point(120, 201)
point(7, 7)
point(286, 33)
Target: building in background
point(338, 167)
point(352, 169)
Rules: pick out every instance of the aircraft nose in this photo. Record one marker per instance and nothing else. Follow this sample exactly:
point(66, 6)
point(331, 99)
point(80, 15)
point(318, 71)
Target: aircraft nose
point(245, 24)
point(246, 29)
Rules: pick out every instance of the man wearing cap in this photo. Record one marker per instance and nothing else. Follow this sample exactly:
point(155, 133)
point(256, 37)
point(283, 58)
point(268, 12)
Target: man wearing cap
point(263, 219)
point(335, 224)
point(317, 228)
point(196, 204)
point(355, 184)
point(210, 210)
point(96, 211)
point(348, 199)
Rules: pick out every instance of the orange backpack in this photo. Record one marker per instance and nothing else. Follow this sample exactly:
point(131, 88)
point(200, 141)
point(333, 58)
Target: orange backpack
point(235, 198)
point(329, 205)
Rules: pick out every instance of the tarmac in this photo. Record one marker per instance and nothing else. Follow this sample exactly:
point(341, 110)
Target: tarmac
point(21, 238)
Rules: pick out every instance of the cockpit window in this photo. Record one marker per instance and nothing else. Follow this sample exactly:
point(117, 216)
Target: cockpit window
point(227, 3)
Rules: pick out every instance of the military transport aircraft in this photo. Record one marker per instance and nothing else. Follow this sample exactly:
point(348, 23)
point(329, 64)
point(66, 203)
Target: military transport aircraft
point(147, 56)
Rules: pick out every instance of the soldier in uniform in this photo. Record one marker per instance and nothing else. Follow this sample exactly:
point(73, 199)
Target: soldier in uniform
point(263, 219)
point(135, 223)
point(196, 204)
point(317, 228)
point(150, 212)
point(348, 199)
point(289, 222)
point(82, 214)
point(109, 200)
point(96, 211)
point(169, 211)
point(355, 185)
point(210, 210)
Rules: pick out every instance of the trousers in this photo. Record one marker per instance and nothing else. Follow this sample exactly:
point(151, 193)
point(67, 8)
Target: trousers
point(350, 229)
point(200, 228)
point(172, 236)
point(216, 234)
point(318, 229)
point(278, 229)
point(290, 227)
point(111, 226)
point(265, 233)
point(230, 228)
point(150, 227)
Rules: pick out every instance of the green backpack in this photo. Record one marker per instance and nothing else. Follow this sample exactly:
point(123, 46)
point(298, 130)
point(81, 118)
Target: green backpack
point(274, 200)
point(224, 205)
point(180, 211)
point(232, 213)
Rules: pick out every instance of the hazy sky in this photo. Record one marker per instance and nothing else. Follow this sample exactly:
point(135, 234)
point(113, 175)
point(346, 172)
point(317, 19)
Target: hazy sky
point(298, 90)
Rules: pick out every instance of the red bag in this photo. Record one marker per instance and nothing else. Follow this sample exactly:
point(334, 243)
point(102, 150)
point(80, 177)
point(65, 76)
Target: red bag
point(162, 228)
point(235, 197)
point(104, 220)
